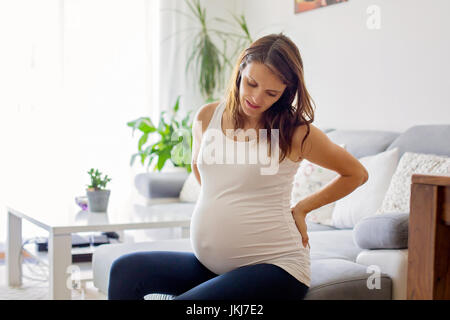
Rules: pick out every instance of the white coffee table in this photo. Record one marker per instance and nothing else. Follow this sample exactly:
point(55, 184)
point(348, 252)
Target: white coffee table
point(62, 218)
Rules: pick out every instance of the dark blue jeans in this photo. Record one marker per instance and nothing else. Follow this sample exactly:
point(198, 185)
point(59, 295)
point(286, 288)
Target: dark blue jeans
point(181, 274)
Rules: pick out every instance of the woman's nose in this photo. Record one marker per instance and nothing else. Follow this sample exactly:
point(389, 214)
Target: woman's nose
point(257, 99)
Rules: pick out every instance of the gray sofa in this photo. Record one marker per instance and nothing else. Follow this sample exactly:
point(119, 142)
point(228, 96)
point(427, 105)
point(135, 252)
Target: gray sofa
point(340, 268)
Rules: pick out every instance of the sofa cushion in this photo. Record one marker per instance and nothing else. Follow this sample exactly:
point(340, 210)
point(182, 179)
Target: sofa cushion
point(326, 130)
point(362, 143)
point(312, 227)
point(428, 139)
point(333, 244)
point(336, 279)
point(366, 199)
point(394, 263)
point(397, 198)
point(160, 184)
point(386, 231)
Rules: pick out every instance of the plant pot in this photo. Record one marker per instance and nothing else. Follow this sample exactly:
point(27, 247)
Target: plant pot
point(98, 200)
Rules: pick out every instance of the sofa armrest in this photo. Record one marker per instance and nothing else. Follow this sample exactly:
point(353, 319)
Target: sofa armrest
point(156, 185)
point(394, 263)
point(384, 231)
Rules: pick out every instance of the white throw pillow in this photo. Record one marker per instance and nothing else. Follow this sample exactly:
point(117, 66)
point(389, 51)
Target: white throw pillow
point(191, 189)
point(365, 200)
point(309, 179)
point(398, 195)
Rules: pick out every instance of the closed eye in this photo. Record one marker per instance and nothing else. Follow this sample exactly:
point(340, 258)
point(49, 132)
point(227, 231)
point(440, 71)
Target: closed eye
point(255, 85)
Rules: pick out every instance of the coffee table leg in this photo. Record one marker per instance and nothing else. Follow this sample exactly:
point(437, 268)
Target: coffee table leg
point(60, 258)
point(13, 247)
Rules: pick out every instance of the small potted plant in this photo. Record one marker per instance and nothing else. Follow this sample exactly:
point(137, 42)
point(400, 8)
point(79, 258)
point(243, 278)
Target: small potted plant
point(97, 194)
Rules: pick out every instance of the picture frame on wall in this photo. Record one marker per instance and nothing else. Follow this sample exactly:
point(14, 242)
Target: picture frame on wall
point(306, 5)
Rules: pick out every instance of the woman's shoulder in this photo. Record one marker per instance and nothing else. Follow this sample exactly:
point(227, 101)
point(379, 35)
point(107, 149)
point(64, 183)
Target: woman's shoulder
point(205, 113)
point(302, 131)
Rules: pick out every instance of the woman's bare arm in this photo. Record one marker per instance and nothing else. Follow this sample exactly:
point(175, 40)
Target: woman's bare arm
point(197, 138)
point(199, 126)
point(319, 149)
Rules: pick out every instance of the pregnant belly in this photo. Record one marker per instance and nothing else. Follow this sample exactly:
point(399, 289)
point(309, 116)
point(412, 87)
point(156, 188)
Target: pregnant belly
point(226, 238)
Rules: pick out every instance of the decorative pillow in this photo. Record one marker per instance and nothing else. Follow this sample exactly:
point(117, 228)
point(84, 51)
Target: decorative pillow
point(309, 179)
point(398, 195)
point(366, 200)
point(190, 190)
point(386, 231)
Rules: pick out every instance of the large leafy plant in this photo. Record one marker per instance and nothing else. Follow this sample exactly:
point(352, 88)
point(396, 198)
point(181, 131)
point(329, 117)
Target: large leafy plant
point(210, 57)
point(174, 143)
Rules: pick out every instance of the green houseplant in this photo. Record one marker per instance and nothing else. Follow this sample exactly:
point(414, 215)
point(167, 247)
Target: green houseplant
point(174, 143)
point(97, 194)
point(210, 57)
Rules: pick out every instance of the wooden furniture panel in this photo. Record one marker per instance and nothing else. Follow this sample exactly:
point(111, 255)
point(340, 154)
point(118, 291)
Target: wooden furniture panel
point(429, 238)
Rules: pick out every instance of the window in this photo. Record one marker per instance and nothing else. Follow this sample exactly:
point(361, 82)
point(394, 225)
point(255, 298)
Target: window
point(72, 74)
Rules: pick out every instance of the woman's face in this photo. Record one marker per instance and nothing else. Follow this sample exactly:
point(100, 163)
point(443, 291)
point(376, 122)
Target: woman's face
point(260, 88)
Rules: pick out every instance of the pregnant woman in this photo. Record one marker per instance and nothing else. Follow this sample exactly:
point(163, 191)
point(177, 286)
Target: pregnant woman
point(247, 241)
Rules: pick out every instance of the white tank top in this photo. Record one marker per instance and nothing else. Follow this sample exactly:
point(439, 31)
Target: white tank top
point(243, 217)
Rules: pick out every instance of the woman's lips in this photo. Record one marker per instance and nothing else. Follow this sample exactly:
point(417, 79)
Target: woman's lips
point(251, 105)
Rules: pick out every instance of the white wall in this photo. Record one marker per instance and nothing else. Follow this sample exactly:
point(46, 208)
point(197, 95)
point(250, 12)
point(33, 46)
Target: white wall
point(386, 79)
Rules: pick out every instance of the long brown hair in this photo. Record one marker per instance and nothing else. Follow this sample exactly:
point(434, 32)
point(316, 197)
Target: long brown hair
point(282, 56)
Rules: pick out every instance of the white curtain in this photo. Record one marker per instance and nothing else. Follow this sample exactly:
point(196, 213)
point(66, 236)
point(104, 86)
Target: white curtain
point(72, 73)
point(30, 100)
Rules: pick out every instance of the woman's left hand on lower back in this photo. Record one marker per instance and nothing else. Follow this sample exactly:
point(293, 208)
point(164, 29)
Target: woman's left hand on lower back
point(300, 222)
